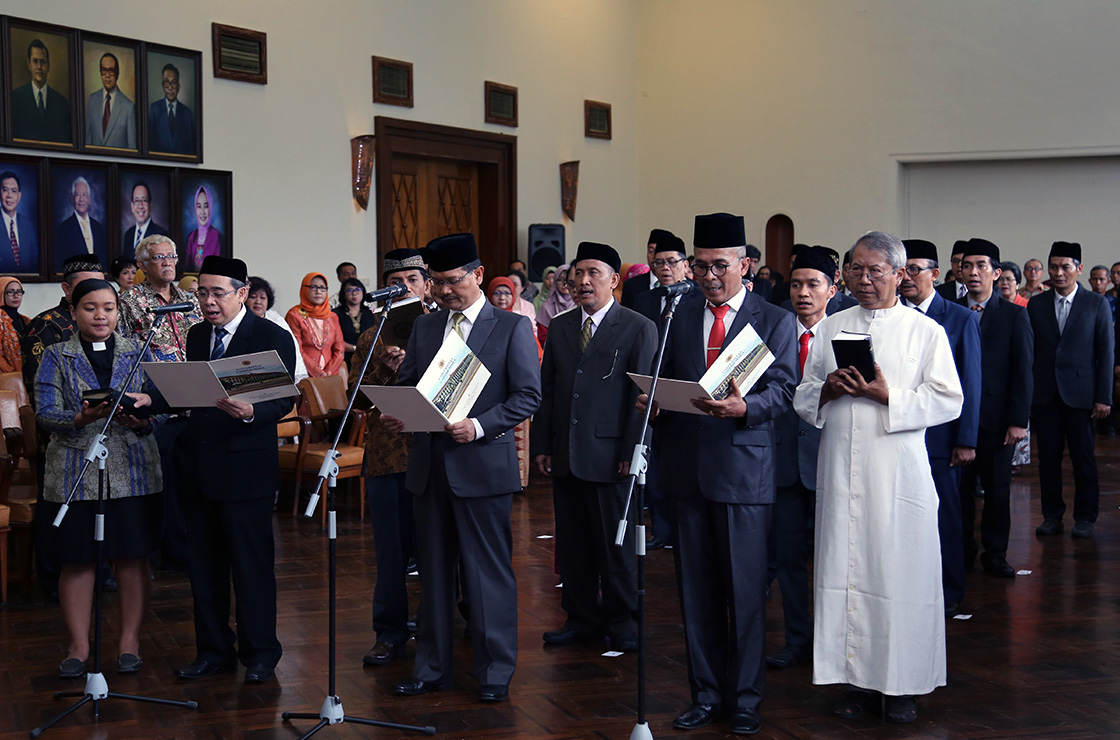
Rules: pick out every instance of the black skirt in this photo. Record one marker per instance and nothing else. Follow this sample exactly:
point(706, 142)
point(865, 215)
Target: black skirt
point(132, 529)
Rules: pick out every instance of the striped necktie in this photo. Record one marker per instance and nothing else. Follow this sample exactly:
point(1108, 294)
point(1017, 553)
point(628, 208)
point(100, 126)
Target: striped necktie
point(219, 346)
point(585, 334)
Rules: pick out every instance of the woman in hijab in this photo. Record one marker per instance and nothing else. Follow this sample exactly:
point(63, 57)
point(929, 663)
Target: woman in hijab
point(317, 328)
point(13, 324)
point(205, 240)
point(548, 278)
point(503, 294)
point(558, 302)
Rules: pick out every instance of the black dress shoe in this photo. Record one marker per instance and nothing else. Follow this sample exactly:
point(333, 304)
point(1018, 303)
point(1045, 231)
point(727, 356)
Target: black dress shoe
point(416, 687)
point(202, 668)
point(129, 663)
point(109, 585)
point(568, 636)
point(745, 722)
point(1049, 527)
point(787, 657)
point(493, 693)
point(625, 643)
point(952, 609)
point(72, 668)
point(657, 543)
point(258, 673)
point(698, 715)
point(382, 653)
point(411, 625)
point(1082, 531)
point(901, 709)
point(998, 566)
point(857, 703)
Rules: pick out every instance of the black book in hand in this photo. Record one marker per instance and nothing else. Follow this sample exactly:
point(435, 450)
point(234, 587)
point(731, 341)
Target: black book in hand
point(854, 350)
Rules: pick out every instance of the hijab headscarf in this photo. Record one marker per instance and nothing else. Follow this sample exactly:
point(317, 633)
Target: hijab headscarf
point(306, 307)
point(188, 282)
point(542, 296)
point(499, 282)
point(204, 228)
point(13, 313)
point(557, 302)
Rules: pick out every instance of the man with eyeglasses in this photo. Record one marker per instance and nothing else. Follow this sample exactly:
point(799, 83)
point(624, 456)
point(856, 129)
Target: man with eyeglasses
point(953, 289)
point(463, 478)
point(952, 445)
point(170, 121)
point(639, 284)
point(110, 115)
point(141, 205)
point(19, 252)
point(719, 466)
point(1073, 370)
point(1032, 279)
point(879, 623)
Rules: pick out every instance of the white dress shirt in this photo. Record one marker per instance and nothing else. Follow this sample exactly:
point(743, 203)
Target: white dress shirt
point(924, 305)
point(596, 318)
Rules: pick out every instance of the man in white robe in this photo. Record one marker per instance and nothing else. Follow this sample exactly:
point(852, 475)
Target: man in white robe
point(879, 616)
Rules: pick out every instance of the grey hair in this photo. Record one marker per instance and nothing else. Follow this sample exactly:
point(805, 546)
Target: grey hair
point(74, 185)
point(237, 284)
point(144, 248)
point(891, 247)
point(1098, 267)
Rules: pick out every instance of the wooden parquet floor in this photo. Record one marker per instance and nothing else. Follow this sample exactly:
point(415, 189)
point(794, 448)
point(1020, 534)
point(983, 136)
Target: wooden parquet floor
point(1039, 657)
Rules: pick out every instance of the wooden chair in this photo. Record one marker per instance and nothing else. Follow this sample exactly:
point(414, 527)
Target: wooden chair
point(5, 528)
point(26, 450)
point(20, 503)
point(326, 398)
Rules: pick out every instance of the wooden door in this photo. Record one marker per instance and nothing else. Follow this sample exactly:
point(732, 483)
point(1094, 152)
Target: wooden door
point(436, 197)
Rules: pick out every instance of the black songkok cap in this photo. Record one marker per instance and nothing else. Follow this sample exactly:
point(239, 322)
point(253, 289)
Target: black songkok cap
point(602, 252)
point(982, 248)
point(831, 253)
point(1066, 249)
point(226, 266)
point(657, 235)
point(797, 248)
point(399, 260)
point(81, 263)
point(719, 231)
point(958, 246)
point(815, 258)
point(920, 249)
point(450, 252)
point(670, 243)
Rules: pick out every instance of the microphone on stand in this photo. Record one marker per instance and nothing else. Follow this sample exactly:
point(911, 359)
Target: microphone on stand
point(172, 308)
point(668, 291)
point(393, 291)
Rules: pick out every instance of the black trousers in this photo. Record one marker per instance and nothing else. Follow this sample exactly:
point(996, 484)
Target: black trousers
point(174, 522)
point(1056, 425)
point(587, 516)
point(390, 515)
point(790, 542)
point(947, 481)
point(993, 469)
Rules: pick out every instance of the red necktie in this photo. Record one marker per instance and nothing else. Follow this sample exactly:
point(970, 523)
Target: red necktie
point(803, 354)
point(718, 332)
point(15, 244)
point(105, 115)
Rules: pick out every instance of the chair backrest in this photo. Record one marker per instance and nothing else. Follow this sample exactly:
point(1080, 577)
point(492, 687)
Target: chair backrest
point(7, 466)
point(9, 409)
point(289, 426)
point(324, 394)
point(14, 382)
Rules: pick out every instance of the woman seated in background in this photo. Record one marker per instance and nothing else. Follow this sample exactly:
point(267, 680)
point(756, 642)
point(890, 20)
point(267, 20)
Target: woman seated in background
point(1009, 281)
point(521, 305)
point(97, 358)
point(189, 283)
point(123, 271)
point(558, 302)
point(548, 277)
point(316, 328)
point(353, 316)
point(13, 324)
point(260, 301)
point(502, 293)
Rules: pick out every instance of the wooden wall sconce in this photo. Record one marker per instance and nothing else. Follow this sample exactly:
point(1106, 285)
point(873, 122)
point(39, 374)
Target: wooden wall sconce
point(361, 168)
point(569, 185)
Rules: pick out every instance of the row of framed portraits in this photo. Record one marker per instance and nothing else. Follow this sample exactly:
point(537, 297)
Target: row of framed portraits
point(66, 89)
point(52, 209)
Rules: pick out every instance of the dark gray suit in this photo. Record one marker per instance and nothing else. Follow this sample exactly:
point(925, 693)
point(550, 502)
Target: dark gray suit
point(28, 240)
point(722, 473)
point(588, 424)
point(464, 494)
point(128, 243)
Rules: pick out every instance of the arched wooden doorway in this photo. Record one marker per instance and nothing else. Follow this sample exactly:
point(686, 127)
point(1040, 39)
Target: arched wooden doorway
point(779, 242)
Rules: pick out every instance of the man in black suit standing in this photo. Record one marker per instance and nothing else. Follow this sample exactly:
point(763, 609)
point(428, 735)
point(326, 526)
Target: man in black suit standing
point(39, 111)
point(464, 477)
point(720, 466)
point(1073, 356)
point(141, 205)
point(583, 436)
point(1006, 351)
point(812, 290)
point(80, 233)
point(228, 487)
point(955, 289)
point(644, 283)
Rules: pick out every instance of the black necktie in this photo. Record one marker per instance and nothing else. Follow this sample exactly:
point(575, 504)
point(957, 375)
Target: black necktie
point(171, 118)
point(42, 108)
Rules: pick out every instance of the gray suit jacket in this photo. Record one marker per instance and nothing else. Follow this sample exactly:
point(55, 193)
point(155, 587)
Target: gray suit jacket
point(587, 421)
point(121, 131)
point(504, 342)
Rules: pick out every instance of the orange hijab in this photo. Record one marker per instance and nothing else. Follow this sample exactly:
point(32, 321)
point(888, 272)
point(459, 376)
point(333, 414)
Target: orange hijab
point(306, 307)
point(500, 282)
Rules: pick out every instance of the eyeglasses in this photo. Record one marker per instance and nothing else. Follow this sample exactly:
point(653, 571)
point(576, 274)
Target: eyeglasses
point(203, 294)
point(163, 258)
point(719, 269)
point(1032, 268)
point(316, 288)
point(348, 290)
point(452, 281)
point(141, 200)
point(502, 293)
point(14, 293)
point(914, 270)
point(875, 273)
point(670, 263)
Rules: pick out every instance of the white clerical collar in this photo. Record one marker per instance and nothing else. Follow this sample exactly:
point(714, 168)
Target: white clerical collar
point(99, 346)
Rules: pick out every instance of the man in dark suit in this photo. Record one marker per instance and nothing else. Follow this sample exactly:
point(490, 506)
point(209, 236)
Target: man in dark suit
point(762, 288)
point(19, 244)
point(170, 122)
point(952, 290)
point(141, 205)
point(951, 445)
point(1007, 350)
point(229, 486)
point(80, 233)
point(720, 467)
point(639, 284)
point(464, 477)
point(583, 436)
point(813, 296)
point(1073, 355)
point(39, 111)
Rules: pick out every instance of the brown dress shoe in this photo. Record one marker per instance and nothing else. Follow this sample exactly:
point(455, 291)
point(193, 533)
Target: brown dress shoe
point(382, 653)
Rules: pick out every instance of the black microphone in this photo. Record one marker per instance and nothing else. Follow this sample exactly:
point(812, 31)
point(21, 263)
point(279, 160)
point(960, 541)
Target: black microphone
point(172, 308)
point(393, 291)
point(667, 291)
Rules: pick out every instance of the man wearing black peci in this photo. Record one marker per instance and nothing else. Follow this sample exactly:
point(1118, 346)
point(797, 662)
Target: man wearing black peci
point(228, 488)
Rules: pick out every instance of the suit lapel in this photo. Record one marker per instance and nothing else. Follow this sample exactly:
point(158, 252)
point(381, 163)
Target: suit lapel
point(239, 342)
point(603, 333)
point(570, 335)
point(480, 332)
point(745, 313)
point(694, 317)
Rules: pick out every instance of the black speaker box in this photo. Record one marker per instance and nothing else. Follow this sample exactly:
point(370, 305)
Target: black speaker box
point(546, 248)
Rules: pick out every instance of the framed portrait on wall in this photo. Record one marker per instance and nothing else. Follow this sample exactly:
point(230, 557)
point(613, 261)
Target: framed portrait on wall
point(144, 201)
point(206, 213)
point(39, 62)
point(80, 211)
point(110, 91)
point(173, 103)
point(21, 245)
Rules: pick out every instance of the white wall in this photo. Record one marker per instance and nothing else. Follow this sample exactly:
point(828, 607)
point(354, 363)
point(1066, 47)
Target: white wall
point(288, 143)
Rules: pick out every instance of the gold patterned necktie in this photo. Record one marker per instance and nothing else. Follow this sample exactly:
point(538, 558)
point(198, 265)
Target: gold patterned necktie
point(457, 323)
point(585, 335)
